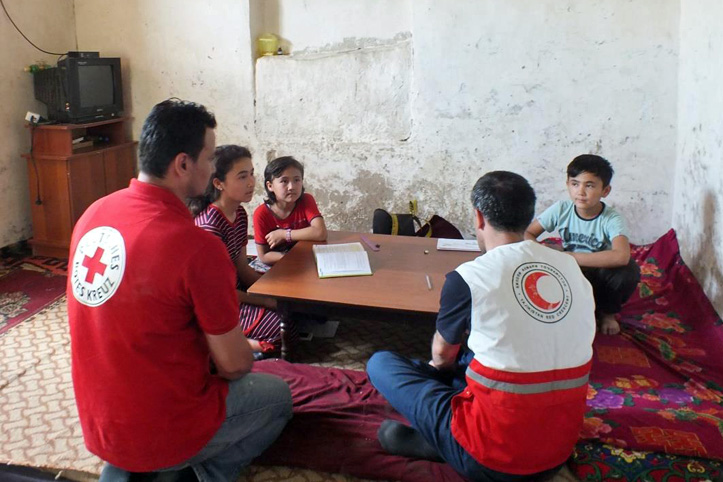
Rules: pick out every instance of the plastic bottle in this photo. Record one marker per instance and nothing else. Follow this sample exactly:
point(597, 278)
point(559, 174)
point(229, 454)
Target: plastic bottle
point(267, 44)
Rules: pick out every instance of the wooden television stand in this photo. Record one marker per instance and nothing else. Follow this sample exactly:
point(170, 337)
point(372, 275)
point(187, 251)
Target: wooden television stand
point(64, 181)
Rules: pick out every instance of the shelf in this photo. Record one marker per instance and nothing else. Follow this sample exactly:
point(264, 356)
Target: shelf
point(81, 152)
point(68, 127)
point(68, 181)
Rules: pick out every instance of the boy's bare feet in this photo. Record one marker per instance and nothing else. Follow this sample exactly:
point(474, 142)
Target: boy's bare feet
point(608, 324)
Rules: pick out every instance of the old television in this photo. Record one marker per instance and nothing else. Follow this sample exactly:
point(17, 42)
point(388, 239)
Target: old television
point(84, 87)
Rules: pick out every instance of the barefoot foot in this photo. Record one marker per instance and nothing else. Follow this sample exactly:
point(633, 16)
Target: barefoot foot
point(609, 325)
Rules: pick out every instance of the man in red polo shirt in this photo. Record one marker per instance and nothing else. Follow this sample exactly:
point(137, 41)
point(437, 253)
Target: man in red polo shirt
point(511, 407)
point(160, 364)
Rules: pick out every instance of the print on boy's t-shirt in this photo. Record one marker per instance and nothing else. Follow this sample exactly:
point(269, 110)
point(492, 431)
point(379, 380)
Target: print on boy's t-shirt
point(580, 241)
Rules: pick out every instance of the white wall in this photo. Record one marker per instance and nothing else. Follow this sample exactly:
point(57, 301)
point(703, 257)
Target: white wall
point(311, 26)
point(50, 24)
point(387, 100)
point(197, 50)
point(524, 86)
point(698, 212)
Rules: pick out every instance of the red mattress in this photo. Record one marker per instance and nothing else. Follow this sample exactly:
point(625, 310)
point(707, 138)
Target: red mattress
point(334, 429)
point(658, 386)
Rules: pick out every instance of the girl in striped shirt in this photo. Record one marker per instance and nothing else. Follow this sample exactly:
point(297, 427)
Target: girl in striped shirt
point(220, 212)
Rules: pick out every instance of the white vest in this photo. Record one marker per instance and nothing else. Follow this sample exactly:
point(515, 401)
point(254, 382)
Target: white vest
point(532, 309)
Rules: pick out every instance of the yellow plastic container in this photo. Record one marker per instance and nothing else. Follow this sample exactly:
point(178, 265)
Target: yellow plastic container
point(267, 44)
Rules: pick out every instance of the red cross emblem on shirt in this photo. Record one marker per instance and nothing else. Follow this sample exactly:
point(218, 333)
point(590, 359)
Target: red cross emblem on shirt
point(94, 265)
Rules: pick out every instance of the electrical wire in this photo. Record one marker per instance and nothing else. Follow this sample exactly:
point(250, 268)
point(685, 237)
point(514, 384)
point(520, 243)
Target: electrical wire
point(38, 199)
point(2, 3)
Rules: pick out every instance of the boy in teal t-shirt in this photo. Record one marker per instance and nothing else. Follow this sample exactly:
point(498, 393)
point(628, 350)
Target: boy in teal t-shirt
point(595, 235)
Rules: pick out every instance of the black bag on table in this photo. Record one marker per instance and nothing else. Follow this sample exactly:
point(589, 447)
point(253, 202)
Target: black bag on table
point(410, 225)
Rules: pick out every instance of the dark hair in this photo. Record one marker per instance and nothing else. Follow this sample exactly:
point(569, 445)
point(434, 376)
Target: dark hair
point(595, 165)
point(274, 169)
point(506, 200)
point(224, 157)
point(173, 126)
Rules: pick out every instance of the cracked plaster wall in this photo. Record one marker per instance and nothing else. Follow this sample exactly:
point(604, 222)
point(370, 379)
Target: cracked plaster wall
point(698, 211)
point(51, 26)
point(442, 92)
point(476, 86)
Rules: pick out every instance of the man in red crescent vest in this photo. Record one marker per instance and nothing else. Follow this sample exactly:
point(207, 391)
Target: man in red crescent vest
point(509, 407)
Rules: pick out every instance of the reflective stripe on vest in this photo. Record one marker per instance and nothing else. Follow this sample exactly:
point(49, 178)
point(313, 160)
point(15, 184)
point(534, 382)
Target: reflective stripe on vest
point(527, 388)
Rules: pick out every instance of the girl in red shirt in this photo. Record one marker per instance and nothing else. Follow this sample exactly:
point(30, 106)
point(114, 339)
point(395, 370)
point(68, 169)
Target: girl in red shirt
point(288, 214)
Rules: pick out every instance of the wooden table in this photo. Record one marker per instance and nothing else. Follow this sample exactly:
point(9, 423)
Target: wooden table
point(397, 291)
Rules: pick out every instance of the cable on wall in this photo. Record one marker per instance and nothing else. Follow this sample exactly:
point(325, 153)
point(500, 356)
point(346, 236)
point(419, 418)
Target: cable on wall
point(2, 3)
point(38, 199)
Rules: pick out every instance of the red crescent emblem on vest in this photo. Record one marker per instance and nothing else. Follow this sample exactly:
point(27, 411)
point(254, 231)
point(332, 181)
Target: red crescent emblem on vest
point(533, 294)
point(542, 291)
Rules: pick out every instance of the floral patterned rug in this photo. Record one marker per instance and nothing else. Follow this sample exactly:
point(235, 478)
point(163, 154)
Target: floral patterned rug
point(592, 462)
point(27, 286)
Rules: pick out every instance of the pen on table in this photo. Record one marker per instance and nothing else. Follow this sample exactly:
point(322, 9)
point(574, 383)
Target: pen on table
point(368, 242)
point(429, 282)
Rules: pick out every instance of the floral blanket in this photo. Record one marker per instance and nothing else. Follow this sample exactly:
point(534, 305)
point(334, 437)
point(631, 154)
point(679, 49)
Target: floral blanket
point(593, 461)
point(658, 386)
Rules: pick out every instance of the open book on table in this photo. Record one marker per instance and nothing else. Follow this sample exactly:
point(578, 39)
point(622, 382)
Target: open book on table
point(336, 260)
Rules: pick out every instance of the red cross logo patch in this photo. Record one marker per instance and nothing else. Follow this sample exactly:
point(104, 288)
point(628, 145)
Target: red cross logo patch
point(98, 265)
